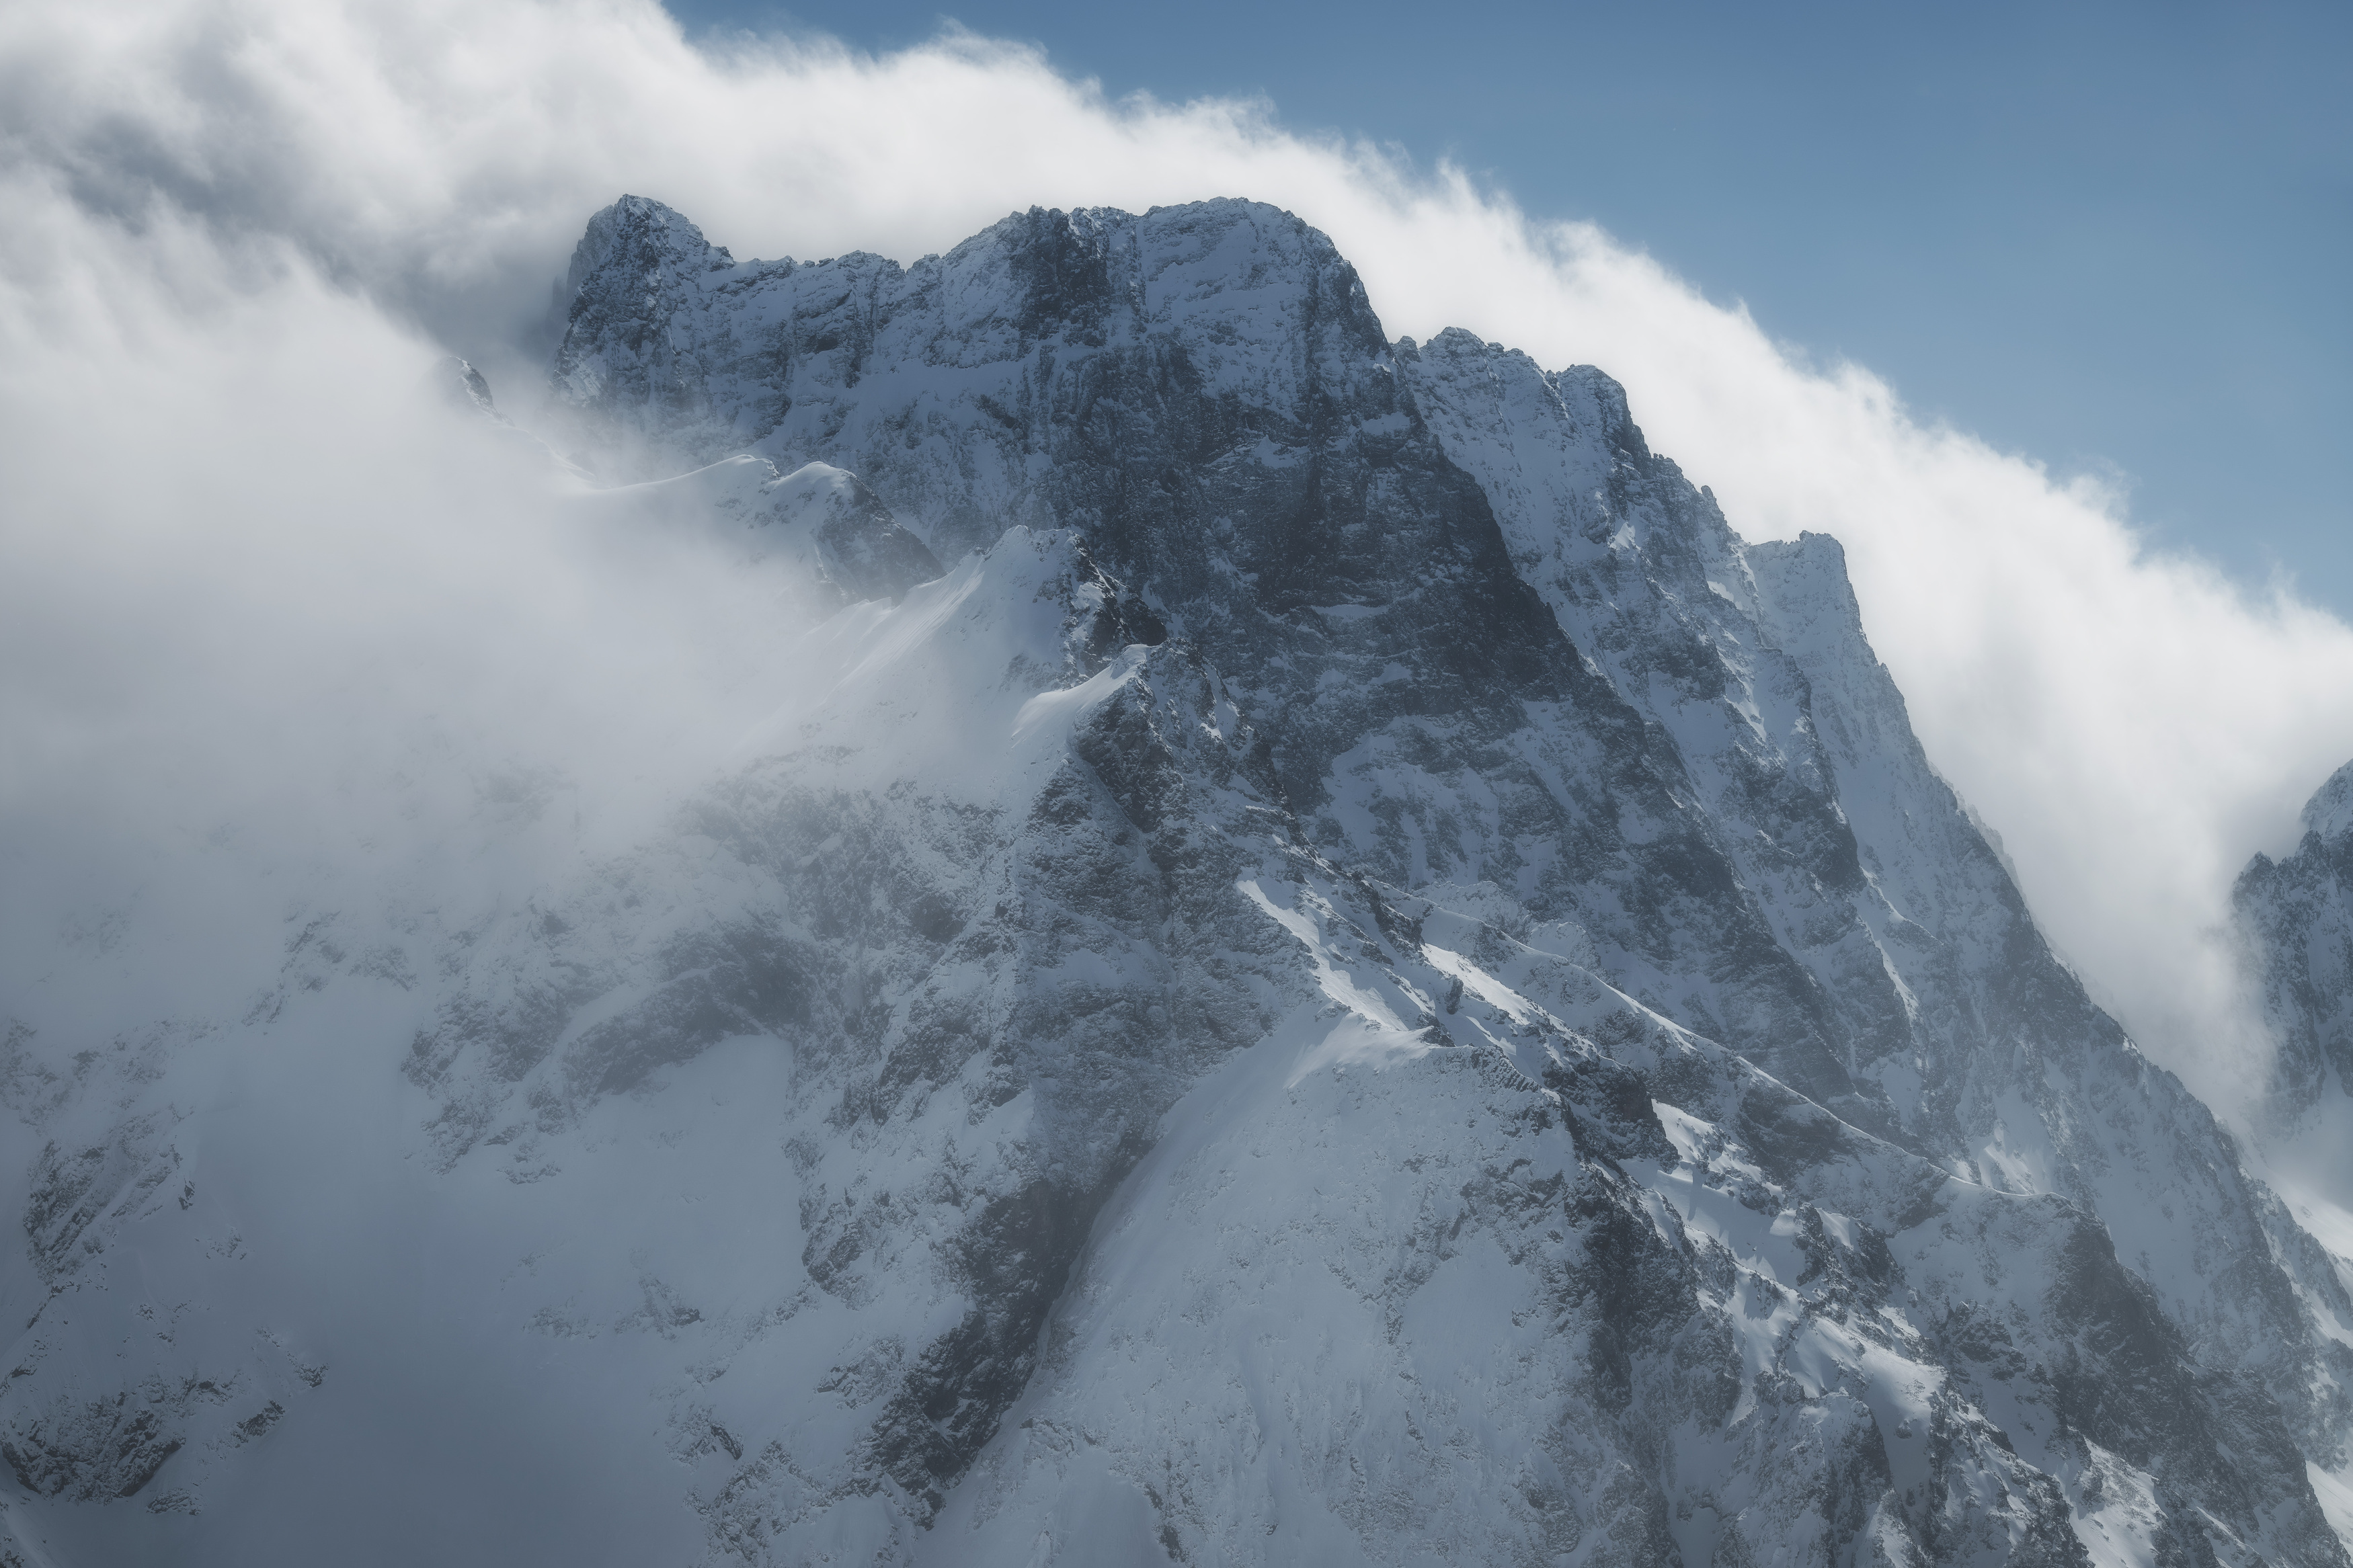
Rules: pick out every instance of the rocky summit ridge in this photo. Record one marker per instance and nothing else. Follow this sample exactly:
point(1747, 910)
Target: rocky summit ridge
point(2296, 918)
point(1342, 974)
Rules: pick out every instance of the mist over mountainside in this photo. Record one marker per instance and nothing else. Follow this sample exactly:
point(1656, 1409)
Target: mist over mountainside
point(2298, 916)
point(1316, 961)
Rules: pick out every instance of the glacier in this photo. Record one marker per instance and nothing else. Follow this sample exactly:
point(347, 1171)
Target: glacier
point(1316, 963)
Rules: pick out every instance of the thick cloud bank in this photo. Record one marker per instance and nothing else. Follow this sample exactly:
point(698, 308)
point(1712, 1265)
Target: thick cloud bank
point(240, 230)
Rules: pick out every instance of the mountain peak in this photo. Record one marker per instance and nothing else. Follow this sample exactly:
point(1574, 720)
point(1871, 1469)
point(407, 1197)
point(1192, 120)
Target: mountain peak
point(2330, 812)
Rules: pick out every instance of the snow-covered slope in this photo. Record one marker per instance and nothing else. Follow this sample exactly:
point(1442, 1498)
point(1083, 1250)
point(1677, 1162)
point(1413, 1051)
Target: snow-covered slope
point(1357, 980)
point(817, 525)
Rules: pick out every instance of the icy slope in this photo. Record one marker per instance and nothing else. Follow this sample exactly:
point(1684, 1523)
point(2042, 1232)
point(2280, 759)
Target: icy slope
point(1359, 980)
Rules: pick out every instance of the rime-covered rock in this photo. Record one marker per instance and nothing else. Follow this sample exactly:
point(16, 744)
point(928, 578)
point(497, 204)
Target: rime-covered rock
point(2297, 914)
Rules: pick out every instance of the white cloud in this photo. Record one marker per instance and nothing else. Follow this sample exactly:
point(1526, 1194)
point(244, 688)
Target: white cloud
point(2132, 723)
point(279, 624)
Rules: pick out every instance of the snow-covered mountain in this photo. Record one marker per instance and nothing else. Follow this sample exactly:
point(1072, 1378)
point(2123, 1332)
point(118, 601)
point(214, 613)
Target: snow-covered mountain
point(1357, 980)
point(2298, 913)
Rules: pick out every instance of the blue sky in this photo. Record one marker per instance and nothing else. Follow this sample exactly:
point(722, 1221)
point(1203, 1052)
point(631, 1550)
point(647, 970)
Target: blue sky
point(2116, 238)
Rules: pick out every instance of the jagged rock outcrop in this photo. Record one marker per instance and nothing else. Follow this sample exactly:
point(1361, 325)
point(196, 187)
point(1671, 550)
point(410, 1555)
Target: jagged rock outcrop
point(2296, 916)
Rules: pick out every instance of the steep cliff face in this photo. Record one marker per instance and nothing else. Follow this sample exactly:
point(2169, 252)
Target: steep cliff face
point(1358, 978)
point(2294, 922)
point(1940, 997)
point(2297, 915)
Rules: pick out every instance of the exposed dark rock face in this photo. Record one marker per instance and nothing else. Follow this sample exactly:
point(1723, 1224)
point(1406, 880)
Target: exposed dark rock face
point(2296, 915)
